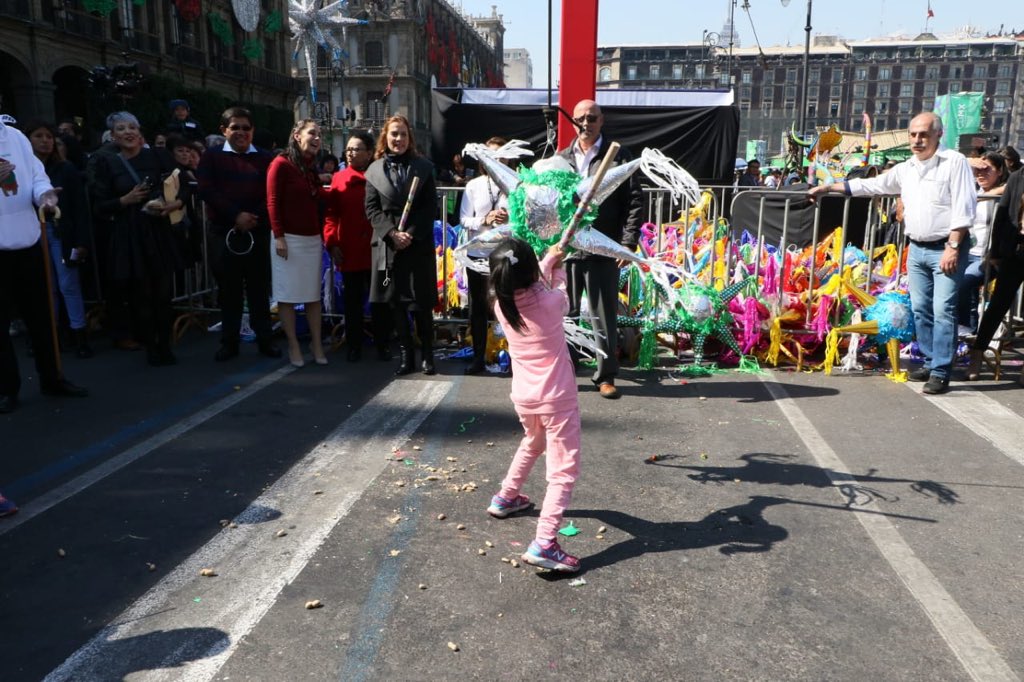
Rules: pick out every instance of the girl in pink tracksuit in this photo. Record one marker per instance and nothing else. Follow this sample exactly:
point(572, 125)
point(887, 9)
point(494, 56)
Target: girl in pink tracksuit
point(530, 304)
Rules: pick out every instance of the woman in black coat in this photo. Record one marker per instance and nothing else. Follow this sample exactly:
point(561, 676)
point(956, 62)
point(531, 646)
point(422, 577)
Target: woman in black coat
point(1007, 253)
point(404, 266)
point(142, 250)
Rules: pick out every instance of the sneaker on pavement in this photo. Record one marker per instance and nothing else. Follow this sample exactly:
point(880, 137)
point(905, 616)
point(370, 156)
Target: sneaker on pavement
point(550, 556)
point(501, 508)
point(936, 385)
point(7, 507)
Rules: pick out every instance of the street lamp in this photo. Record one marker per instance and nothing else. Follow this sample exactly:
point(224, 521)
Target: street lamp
point(710, 42)
point(802, 119)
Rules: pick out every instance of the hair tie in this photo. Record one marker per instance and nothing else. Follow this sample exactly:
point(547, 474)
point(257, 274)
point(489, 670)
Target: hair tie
point(511, 256)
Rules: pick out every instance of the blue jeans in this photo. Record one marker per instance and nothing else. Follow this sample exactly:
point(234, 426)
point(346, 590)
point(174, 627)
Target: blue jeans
point(970, 292)
point(68, 282)
point(933, 298)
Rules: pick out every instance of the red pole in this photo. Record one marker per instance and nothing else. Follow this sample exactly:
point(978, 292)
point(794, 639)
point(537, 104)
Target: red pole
point(577, 74)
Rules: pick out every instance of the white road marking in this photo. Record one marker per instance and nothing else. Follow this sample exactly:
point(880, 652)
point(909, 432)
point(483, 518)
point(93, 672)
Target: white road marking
point(968, 644)
point(252, 563)
point(76, 485)
point(1001, 427)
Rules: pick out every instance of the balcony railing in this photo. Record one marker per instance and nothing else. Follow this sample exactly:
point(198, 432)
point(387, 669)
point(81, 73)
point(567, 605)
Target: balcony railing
point(78, 23)
point(190, 56)
point(18, 9)
point(142, 42)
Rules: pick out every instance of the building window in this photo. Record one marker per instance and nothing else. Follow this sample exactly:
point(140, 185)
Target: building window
point(905, 105)
point(883, 107)
point(931, 73)
point(1005, 70)
point(930, 89)
point(884, 73)
point(956, 72)
point(906, 90)
point(699, 70)
point(724, 79)
point(954, 87)
point(978, 86)
point(903, 123)
point(835, 91)
point(998, 122)
point(374, 53)
point(1003, 87)
point(860, 89)
point(769, 75)
point(927, 105)
point(745, 77)
point(833, 109)
point(790, 92)
point(855, 125)
point(791, 75)
point(677, 71)
point(631, 72)
point(605, 74)
point(883, 90)
point(768, 93)
point(815, 75)
point(655, 71)
point(858, 107)
point(861, 73)
point(837, 75)
point(745, 92)
point(812, 91)
point(812, 110)
point(999, 105)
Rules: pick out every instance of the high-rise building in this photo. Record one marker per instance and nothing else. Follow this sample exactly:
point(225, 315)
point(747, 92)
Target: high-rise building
point(518, 68)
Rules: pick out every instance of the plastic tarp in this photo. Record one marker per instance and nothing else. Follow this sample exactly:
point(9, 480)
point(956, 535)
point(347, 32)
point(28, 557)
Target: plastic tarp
point(702, 139)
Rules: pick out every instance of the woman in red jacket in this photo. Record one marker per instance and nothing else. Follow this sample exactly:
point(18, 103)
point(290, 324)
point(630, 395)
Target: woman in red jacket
point(347, 236)
point(293, 188)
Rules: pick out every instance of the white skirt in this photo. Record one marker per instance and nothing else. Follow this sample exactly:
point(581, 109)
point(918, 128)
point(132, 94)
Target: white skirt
point(297, 278)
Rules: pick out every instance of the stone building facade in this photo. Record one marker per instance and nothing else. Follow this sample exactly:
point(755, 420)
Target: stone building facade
point(48, 49)
point(889, 79)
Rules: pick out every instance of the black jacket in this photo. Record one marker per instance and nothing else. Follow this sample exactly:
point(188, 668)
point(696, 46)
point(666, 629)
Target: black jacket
point(621, 215)
point(1007, 240)
point(75, 225)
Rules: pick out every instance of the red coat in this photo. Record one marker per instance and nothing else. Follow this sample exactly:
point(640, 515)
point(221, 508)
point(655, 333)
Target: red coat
point(346, 225)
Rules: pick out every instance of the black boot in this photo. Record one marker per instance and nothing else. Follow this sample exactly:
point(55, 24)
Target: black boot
point(83, 350)
point(428, 360)
point(408, 361)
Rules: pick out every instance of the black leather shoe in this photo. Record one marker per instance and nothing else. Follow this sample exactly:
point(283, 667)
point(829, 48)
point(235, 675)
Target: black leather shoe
point(65, 388)
point(225, 352)
point(408, 362)
point(428, 367)
point(270, 350)
point(920, 374)
point(8, 403)
point(936, 385)
point(476, 367)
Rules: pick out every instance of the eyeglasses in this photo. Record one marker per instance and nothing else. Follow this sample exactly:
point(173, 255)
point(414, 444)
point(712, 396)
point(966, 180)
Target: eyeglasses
point(243, 129)
point(354, 150)
point(589, 118)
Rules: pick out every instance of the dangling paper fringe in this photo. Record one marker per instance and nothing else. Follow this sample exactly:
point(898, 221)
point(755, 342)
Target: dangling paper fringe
point(831, 351)
point(849, 363)
point(774, 342)
point(667, 174)
point(452, 285)
point(700, 370)
point(648, 349)
point(749, 365)
point(897, 375)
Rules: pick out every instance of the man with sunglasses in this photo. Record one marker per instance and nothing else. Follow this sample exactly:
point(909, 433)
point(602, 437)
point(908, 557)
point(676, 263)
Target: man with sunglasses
point(233, 183)
point(619, 218)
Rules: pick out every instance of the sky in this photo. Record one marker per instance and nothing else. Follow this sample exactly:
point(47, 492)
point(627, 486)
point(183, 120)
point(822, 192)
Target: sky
point(667, 22)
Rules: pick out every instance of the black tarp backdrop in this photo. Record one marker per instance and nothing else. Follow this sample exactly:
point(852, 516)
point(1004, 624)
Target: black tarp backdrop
point(747, 206)
point(700, 139)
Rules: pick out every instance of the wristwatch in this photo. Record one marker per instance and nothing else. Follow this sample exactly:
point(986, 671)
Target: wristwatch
point(953, 244)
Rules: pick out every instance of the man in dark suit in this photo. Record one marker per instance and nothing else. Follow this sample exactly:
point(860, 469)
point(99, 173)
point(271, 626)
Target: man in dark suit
point(619, 218)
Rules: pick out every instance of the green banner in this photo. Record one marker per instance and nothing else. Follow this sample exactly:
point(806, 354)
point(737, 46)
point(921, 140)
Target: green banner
point(960, 114)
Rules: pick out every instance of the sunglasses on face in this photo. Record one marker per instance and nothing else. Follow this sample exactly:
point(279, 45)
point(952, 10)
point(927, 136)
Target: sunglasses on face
point(589, 118)
point(237, 128)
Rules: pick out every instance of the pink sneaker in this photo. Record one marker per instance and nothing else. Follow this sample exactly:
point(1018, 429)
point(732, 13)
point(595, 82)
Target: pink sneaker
point(550, 556)
point(501, 508)
point(7, 507)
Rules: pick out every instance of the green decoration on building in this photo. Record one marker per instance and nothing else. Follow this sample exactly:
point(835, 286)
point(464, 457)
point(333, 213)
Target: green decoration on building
point(252, 49)
point(273, 23)
point(221, 28)
point(138, 3)
point(101, 7)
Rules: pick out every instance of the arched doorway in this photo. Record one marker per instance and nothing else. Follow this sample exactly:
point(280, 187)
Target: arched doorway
point(16, 97)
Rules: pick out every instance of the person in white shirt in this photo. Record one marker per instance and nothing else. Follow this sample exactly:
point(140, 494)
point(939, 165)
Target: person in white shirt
point(25, 186)
point(939, 199)
point(484, 206)
point(990, 172)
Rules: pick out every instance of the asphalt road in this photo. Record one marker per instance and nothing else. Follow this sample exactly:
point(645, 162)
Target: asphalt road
point(791, 526)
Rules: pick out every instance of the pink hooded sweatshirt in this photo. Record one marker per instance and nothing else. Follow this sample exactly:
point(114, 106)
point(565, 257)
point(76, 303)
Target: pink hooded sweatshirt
point(543, 380)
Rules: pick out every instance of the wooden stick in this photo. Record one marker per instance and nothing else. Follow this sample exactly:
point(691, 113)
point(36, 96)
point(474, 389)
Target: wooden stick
point(414, 187)
point(584, 206)
point(49, 285)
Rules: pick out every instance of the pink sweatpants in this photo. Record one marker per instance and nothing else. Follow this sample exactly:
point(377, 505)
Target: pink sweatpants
point(559, 435)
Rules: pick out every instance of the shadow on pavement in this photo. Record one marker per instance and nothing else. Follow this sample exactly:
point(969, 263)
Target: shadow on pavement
point(775, 469)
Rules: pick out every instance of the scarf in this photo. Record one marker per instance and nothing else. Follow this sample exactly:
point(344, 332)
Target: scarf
point(396, 168)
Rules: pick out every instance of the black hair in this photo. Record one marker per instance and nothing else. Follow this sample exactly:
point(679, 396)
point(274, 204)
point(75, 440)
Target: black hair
point(1012, 157)
point(365, 137)
point(235, 112)
point(507, 277)
point(175, 140)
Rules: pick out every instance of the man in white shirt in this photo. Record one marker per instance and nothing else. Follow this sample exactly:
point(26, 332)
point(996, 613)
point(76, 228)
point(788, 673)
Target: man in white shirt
point(939, 199)
point(24, 186)
point(484, 206)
